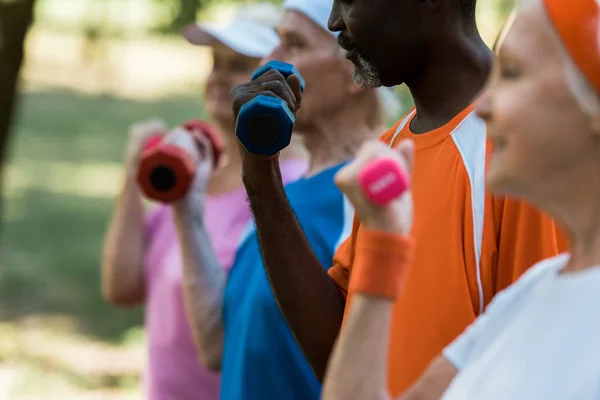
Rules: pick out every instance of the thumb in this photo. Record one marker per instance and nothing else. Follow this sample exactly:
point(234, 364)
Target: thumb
point(296, 87)
point(406, 150)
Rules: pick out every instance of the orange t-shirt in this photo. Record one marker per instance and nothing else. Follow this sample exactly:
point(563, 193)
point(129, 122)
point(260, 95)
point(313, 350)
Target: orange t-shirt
point(469, 244)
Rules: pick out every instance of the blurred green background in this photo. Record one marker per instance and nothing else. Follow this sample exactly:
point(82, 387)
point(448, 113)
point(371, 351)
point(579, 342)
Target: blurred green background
point(93, 67)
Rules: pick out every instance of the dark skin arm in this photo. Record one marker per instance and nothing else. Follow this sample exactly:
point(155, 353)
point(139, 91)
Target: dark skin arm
point(308, 299)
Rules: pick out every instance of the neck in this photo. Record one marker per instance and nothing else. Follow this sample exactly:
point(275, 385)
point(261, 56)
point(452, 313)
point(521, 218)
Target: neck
point(454, 76)
point(575, 206)
point(228, 175)
point(335, 139)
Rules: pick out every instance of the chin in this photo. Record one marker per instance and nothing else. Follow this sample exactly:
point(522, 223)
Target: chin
point(501, 181)
point(365, 74)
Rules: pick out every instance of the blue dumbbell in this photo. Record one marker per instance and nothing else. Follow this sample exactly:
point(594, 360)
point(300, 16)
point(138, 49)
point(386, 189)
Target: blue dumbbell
point(265, 123)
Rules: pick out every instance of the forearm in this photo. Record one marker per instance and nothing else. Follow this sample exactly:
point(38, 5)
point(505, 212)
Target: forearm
point(124, 246)
point(203, 283)
point(358, 365)
point(309, 300)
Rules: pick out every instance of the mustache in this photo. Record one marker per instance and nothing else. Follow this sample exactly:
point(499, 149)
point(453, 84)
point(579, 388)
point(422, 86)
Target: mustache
point(346, 43)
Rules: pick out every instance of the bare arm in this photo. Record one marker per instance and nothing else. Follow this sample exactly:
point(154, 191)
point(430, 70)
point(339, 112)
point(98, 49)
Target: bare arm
point(124, 246)
point(203, 282)
point(124, 243)
point(309, 300)
point(358, 368)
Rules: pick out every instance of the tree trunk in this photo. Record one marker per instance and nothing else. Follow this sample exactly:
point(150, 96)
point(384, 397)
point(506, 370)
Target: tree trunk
point(15, 19)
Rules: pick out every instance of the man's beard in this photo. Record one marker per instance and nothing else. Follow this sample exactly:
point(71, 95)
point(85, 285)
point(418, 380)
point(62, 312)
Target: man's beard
point(366, 74)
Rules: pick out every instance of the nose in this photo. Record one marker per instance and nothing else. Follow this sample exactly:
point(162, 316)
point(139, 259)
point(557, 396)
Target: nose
point(336, 22)
point(484, 107)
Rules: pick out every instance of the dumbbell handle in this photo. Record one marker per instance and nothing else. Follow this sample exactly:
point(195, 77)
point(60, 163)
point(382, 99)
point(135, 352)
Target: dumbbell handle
point(382, 181)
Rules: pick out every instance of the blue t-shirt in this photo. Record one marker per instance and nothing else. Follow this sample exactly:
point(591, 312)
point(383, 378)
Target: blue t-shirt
point(261, 359)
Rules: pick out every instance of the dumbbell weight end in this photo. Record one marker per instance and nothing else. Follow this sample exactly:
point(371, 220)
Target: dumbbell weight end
point(382, 181)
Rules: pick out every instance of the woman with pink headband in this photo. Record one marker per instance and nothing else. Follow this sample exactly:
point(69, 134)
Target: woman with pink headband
point(540, 338)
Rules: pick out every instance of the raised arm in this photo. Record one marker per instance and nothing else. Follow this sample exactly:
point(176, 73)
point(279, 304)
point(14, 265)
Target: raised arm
point(308, 299)
point(125, 242)
point(203, 277)
point(358, 366)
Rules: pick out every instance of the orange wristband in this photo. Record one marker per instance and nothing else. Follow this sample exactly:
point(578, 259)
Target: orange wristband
point(381, 261)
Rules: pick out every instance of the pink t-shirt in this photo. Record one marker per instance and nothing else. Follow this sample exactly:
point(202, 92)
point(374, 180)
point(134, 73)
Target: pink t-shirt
point(174, 371)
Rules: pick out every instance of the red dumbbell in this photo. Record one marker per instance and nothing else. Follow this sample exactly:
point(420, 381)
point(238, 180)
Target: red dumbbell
point(166, 171)
point(383, 181)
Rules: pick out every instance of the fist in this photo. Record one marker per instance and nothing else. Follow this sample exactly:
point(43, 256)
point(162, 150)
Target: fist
point(139, 133)
point(273, 84)
point(395, 216)
point(198, 149)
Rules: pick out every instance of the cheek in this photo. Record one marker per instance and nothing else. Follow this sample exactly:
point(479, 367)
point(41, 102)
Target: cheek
point(535, 121)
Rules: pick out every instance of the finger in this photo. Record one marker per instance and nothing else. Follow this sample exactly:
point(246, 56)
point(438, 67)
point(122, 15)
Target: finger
point(157, 126)
point(275, 76)
point(205, 147)
point(294, 83)
point(278, 88)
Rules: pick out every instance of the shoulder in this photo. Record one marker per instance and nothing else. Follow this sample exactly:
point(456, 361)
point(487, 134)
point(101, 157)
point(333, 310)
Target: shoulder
point(388, 135)
point(530, 278)
point(543, 268)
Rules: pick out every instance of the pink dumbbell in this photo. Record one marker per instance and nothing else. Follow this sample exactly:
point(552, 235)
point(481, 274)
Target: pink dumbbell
point(383, 181)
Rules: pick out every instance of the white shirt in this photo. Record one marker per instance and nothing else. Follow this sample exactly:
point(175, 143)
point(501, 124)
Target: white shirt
point(538, 340)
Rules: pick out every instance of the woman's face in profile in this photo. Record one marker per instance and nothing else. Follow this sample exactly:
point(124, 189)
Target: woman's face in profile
point(229, 70)
point(538, 132)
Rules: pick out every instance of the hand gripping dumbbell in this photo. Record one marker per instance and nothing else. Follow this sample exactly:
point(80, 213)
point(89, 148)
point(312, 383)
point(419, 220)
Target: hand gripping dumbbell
point(382, 181)
point(166, 171)
point(264, 125)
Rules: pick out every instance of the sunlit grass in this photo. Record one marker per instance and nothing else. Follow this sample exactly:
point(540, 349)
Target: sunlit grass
point(91, 180)
point(65, 168)
point(43, 358)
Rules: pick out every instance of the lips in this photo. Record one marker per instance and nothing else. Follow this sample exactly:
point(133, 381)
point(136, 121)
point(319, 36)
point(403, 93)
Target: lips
point(346, 43)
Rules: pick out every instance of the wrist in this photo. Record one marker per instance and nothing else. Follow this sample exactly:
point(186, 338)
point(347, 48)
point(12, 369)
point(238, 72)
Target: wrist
point(390, 224)
point(191, 205)
point(259, 172)
point(382, 259)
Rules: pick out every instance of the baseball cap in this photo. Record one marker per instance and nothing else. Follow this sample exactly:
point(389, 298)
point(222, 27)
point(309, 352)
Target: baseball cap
point(317, 10)
point(251, 32)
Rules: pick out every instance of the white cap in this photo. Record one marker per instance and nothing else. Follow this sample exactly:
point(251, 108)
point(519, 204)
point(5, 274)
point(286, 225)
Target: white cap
point(251, 33)
point(316, 10)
